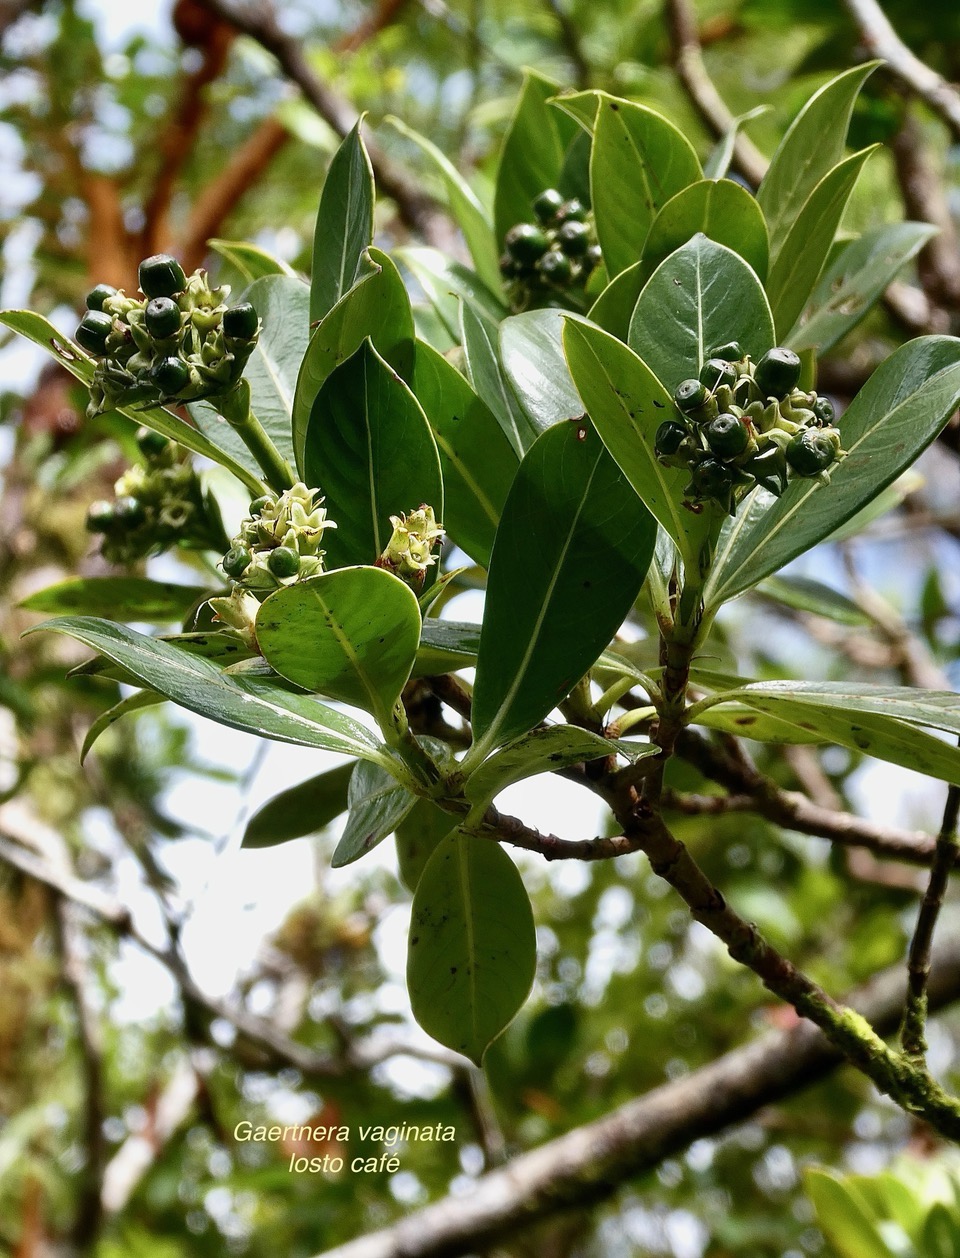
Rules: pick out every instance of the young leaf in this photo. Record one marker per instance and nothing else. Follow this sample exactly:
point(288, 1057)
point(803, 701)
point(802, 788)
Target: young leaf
point(571, 553)
point(250, 260)
point(808, 595)
point(118, 598)
point(702, 295)
point(377, 804)
point(489, 379)
point(447, 284)
point(614, 308)
point(850, 286)
point(531, 349)
point(376, 307)
point(473, 948)
point(132, 703)
point(477, 461)
point(844, 1216)
point(721, 155)
point(639, 161)
point(417, 837)
point(813, 145)
point(350, 634)
point(532, 154)
point(445, 646)
point(896, 414)
point(300, 810)
point(344, 225)
point(719, 208)
point(249, 704)
point(369, 445)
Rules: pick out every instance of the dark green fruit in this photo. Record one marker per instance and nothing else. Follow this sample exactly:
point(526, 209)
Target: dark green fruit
point(100, 516)
point(161, 317)
point(730, 352)
point(170, 375)
point(241, 322)
point(727, 436)
point(770, 469)
point(152, 444)
point(555, 267)
point(161, 276)
point(812, 451)
point(823, 409)
point(572, 211)
point(574, 239)
point(777, 372)
point(712, 479)
point(236, 561)
point(691, 395)
point(669, 438)
point(716, 371)
point(509, 267)
point(593, 257)
point(129, 511)
point(525, 243)
point(259, 504)
point(93, 330)
point(98, 295)
point(283, 562)
point(546, 205)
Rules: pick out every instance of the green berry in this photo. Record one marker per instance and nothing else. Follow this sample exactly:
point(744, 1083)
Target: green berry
point(241, 322)
point(161, 276)
point(717, 371)
point(712, 479)
point(555, 267)
point(727, 436)
point(593, 257)
point(777, 373)
point(152, 444)
point(525, 243)
point(258, 505)
point(813, 451)
point(129, 511)
point(823, 409)
point(98, 295)
point(669, 438)
point(546, 205)
point(236, 561)
point(574, 239)
point(283, 562)
point(161, 317)
point(170, 375)
point(510, 268)
point(730, 352)
point(93, 330)
point(572, 210)
point(100, 516)
point(691, 395)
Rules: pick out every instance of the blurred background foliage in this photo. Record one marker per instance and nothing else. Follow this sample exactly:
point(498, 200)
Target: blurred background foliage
point(123, 134)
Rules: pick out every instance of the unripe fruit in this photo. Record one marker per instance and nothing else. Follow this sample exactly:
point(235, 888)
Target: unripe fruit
point(572, 210)
point(98, 295)
point(236, 561)
point(711, 479)
point(93, 330)
point(546, 205)
point(161, 318)
point(241, 322)
point(170, 375)
point(129, 511)
point(823, 409)
point(574, 239)
point(812, 451)
point(555, 267)
point(593, 257)
point(691, 395)
point(716, 371)
point(259, 504)
point(727, 436)
point(525, 243)
point(161, 276)
point(100, 516)
point(730, 352)
point(670, 436)
point(283, 562)
point(777, 372)
point(151, 444)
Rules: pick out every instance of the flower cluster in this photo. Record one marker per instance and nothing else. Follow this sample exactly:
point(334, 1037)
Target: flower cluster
point(159, 503)
point(744, 424)
point(553, 256)
point(178, 343)
point(409, 552)
point(279, 542)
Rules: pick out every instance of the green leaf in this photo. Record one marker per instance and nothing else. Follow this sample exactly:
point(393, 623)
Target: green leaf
point(627, 403)
point(350, 634)
point(896, 414)
point(721, 155)
point(804, 252)
point(813, 145)
point(465, 206)
point(804, 594)
point(490, 381)
point(843, 1216)
point(249, 704)
point(376, 804)
point(723, 211)
point(344, 225)
point(376, 307)
point(744, 721)
point(941, 1234)
point(639, 161)
point(447, 284)
point(417, 837)
point(614, 308)
point(850, 286)
point(582, 107)
point(445, 646)
point(71, 357)
point(132, 703)
point(300, 810)
point(532, 154)
point(250, 260)
point(473, 950)
point(118, 598)
point(477, 461)
point(700, 296)
point(531, 349)
point(570, 556)
point(225, 648)
point(368, 443)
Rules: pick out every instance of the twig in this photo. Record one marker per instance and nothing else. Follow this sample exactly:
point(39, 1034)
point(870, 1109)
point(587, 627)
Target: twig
point(924, 198)
point(572, 43)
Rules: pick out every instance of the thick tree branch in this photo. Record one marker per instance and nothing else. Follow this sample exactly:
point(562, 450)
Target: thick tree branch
point(591, 1163)
point(924, 198)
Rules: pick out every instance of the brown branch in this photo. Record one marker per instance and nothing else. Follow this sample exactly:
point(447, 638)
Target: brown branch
point(385, 14)
point(924, 198)
point(591, 1163)
point(572, 43)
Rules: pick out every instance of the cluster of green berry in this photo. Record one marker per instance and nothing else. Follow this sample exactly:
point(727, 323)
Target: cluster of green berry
point(159, 503)
point(180, 343)
point(279, 542)
point(553, 256)
point(745, 424)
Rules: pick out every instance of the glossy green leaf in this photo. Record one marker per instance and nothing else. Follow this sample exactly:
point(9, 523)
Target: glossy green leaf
point(250, 260)
point(417, 837)
point(489, 379)
point(844, 1217)
point(344, 225)
point(851, 285)
point(700, 296)
point(571, 553)
point(477, 461)
point(812, 146)
point(304, 809)
point(223, 648)
point(721, 155)
point(941, 1233)
point(805, 594)
point(446, 646)
point(132, 703)
point(368, 443)
point(350, 634)
point(804, 251)
point(532, 154)
point(531, 350)
point(447, 284)
point(252, 705)
point(376, 804)
point(614, 307)
point(118, 598)
point(896, 414)
point(639, 161)
point(80, 365)
point(582, 107)
point(472, 953)
point(723, 211)
point(376, 307)
point(627, 403)
point(744, 721)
